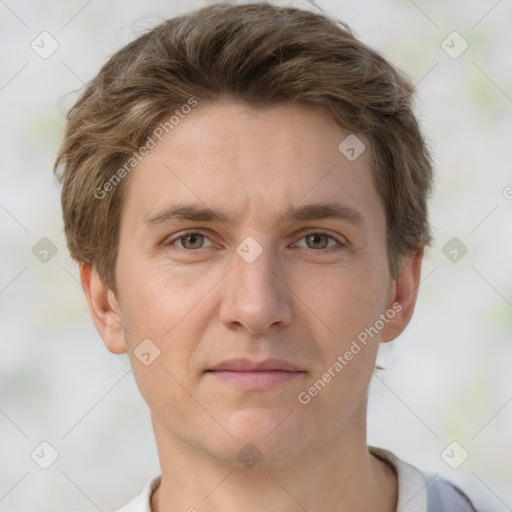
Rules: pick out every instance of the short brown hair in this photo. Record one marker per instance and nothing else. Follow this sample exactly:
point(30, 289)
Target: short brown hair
point(262, 55)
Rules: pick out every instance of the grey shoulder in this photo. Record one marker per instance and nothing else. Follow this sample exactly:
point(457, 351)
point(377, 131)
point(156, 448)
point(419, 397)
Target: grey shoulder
point(443, 496)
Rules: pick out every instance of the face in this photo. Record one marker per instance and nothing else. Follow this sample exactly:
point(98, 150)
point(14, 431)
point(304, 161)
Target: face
point(247, 235)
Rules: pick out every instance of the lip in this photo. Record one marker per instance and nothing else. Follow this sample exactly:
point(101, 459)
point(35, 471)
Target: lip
point(255, 375)
point(246, 365)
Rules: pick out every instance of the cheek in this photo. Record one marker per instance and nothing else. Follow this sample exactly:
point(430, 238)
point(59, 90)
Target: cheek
point(173, 310)
point(166, 308)
point(345, 299)
point(157, 297)
point(347, 304)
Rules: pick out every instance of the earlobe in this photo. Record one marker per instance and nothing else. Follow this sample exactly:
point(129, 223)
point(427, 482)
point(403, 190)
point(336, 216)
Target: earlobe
point(404, 293)
point(104, 309)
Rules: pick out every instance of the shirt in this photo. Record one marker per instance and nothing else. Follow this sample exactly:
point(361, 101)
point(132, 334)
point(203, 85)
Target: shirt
point(417, 491)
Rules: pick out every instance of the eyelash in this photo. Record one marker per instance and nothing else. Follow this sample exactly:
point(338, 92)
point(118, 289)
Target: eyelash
point(340, 245)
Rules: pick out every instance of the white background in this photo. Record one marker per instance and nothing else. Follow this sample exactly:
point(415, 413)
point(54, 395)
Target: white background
point(448, 377)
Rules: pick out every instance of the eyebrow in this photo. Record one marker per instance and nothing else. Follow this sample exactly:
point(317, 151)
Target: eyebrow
point(317, 211)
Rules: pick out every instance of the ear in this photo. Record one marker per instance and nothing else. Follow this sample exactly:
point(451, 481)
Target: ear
point(402, 296)
point(104, 309)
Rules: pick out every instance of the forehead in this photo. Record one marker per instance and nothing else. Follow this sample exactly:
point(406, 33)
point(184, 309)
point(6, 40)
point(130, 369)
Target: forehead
point(257, 163)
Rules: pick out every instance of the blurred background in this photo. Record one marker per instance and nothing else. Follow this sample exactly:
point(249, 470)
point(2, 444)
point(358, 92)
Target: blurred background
point(444, 401)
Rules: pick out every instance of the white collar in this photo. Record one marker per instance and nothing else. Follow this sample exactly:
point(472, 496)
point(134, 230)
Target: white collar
point(412, 488)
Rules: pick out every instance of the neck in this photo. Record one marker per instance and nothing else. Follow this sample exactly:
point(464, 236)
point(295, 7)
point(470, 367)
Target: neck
point(338, 475)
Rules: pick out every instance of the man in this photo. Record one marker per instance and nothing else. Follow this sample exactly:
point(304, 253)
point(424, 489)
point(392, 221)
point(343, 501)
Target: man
point(245, 190)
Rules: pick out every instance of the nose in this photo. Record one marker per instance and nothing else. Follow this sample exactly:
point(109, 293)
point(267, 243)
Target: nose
point(256, 295)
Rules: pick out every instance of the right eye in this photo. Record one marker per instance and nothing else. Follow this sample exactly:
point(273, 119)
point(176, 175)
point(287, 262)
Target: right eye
point(189, 240)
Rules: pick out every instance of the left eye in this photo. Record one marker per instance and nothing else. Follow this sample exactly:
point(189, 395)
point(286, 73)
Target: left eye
point(319, 240)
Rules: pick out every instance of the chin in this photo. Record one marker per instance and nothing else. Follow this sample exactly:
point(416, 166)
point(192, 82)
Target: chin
point(260, 437)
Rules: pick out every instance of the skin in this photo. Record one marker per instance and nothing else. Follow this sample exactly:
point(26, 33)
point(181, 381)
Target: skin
point(201, 303)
